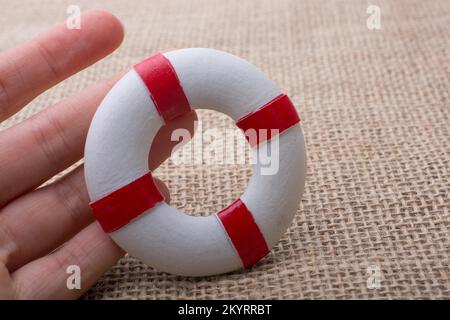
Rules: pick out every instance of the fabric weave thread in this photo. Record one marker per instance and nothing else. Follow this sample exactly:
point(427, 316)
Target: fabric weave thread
point(375, 109)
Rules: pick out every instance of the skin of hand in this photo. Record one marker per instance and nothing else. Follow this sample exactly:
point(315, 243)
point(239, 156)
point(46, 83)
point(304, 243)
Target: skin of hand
point(43, 230)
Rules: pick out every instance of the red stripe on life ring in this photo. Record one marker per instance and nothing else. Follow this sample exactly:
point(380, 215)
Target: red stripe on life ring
point(123, 205)
point(244, 233)
point(271, 119)
point(164, 86)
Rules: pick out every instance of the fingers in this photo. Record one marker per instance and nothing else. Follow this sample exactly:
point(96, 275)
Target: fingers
point(37, 65)
point(44, 219)
point(91, 250)
point(47, 143)
point(52, 140)
point(6, 285)
point(40, 221)
point(56, 212)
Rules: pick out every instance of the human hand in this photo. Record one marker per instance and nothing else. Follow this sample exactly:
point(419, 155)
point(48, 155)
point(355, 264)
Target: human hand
point(43, 230)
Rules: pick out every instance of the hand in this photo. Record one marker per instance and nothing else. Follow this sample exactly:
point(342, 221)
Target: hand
point(44, 230)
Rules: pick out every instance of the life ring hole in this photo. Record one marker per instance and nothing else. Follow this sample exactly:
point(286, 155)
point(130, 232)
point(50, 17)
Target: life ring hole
point(218, 157)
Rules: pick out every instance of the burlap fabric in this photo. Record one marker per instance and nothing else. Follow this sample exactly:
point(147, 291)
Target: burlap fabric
point(375, 107)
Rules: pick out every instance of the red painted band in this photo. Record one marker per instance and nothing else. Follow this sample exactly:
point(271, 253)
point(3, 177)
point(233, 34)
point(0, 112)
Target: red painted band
point(244, 233)
point(271, 119)
point(123, 205)
point(164, 86)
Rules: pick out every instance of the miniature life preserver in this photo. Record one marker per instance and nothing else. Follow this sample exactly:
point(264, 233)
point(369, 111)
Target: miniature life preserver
point(125, 200)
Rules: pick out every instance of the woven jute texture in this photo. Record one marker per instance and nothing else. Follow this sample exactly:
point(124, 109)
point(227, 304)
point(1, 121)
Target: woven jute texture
point(375, 108)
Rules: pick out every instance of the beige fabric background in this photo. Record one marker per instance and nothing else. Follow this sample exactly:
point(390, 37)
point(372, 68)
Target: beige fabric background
point(375, 107)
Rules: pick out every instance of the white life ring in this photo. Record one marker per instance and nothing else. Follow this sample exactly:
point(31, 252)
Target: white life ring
point(124, 198)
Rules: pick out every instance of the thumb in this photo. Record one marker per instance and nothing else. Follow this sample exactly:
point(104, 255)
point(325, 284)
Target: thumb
point(163, 189)
point(163, 143)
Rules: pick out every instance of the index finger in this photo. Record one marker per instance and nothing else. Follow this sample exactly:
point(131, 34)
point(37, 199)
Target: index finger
point(31, 68)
